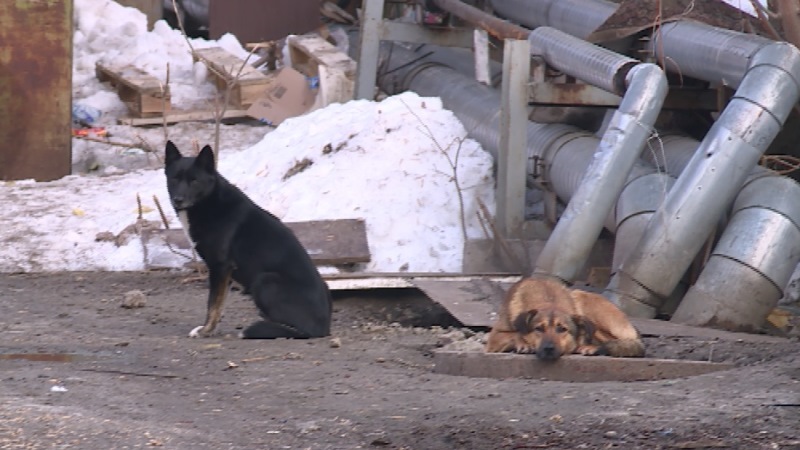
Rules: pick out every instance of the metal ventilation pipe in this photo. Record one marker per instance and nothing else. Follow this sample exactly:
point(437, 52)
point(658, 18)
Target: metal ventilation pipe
point(753, 261)
point(644, 88)
point(767, 92)
point(755, 256)
point(576, 17)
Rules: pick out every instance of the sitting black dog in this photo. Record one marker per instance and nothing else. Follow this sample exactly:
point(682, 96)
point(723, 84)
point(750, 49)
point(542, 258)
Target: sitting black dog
point(240, 241)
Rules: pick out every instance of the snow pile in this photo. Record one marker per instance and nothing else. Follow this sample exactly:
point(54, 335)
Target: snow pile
point(386, 162)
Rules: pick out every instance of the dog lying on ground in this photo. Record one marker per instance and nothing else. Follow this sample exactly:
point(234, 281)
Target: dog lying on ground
point(541, 315)
point(240, 241)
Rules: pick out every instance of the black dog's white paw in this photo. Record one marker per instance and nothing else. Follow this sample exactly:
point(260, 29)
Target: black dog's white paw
point(196, 332)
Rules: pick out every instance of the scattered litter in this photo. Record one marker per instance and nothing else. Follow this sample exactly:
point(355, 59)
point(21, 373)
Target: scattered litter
point(380, 442)
point(58, 388)
point(336, 342)
point(308, 427)
point(85, 115)
point(94, 132)
point(231, 365)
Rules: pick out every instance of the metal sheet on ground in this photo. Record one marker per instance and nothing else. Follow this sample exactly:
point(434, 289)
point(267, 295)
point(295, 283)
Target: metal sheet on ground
point(474, 302)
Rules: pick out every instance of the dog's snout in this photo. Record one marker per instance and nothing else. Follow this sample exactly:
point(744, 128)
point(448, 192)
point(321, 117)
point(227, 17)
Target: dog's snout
point(547, 351)
point(177, 201)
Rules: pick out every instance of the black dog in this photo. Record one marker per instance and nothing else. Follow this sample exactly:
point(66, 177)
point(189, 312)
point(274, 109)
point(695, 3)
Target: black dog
point(238, 240)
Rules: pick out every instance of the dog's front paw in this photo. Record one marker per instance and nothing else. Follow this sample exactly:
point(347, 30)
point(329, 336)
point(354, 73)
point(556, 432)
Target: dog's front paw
point(589, 350)
point(197, 332)
point(522, 346)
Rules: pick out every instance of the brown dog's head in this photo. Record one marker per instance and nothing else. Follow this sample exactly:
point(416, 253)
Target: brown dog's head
point(552, 332)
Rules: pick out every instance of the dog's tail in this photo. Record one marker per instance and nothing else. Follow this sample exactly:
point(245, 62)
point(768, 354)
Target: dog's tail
point(622, 348)
point(272, 330)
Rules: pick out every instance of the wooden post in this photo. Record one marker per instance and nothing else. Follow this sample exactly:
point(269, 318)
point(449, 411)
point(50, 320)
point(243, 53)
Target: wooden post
point(512, 155)
point(369, 49)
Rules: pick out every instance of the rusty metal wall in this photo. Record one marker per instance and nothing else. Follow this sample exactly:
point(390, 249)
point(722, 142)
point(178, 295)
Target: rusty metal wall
point(262, 20)
point(35, 89)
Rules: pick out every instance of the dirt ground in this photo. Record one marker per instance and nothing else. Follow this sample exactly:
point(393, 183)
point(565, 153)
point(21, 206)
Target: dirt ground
point(109, 377)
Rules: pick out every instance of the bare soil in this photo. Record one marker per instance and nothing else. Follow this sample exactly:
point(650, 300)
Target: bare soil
point(78, 370)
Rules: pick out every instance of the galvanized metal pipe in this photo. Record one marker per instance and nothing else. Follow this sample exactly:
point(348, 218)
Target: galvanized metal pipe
point(587, 62)
point(753, 261)
point(701, 51)
point(714, 175)
point(576, 17)
point(755, 256)
point(644, 87)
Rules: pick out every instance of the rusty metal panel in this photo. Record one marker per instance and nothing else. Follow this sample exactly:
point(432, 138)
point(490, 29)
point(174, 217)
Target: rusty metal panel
point(35, 89)
point(262, 20)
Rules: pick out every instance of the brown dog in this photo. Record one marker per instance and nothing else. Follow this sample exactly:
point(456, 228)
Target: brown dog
point(541, 315)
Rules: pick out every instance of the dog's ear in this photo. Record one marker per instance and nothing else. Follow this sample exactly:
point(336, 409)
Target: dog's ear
point(205, 158)
point(522, 323)
point(171, 153)
point(584, 326)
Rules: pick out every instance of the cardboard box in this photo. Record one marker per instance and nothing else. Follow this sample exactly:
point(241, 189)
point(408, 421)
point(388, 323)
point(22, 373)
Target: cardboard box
point(288, 95)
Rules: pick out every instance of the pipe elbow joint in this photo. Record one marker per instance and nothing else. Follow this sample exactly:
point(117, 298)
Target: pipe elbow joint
point(782, 55)
point(772, 79)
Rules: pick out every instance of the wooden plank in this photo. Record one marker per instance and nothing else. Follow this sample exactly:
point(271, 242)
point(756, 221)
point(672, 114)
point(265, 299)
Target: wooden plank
point(133, 77)
point(183, 116)
point(228, 66)
point(35, 89)
point(247, 84)
point(308, 52)
point(573, 368)
point(328, 242)
point(332, 242)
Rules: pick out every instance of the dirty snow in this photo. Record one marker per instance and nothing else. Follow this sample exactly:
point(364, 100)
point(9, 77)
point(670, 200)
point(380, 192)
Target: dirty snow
point(387, 162)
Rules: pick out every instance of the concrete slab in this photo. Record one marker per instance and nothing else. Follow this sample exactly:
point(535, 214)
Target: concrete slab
point(573, 368)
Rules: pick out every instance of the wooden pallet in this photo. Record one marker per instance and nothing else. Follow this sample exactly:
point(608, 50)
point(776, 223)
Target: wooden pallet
point(143, 93)
point(247, 83)
point(308, 52)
